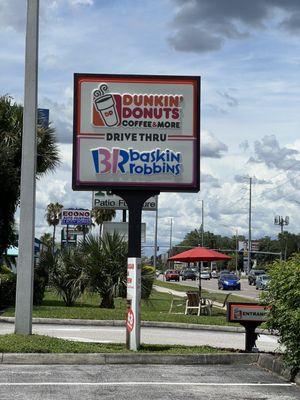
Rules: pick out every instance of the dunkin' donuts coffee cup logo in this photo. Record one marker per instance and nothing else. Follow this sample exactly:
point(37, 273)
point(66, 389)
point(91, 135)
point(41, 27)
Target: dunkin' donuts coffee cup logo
point(105, 110)
point(136, 110)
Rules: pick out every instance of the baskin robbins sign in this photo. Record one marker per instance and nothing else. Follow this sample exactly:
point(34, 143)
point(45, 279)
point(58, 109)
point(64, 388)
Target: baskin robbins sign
point(136, 132)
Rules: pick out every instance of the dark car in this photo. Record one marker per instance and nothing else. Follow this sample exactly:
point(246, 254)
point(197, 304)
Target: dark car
point(172, 275)
point(188, 274)
point(253, 274)
point(229, 281)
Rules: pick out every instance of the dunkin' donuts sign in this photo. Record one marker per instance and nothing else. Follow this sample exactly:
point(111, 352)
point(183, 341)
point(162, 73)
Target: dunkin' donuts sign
point(137, 132)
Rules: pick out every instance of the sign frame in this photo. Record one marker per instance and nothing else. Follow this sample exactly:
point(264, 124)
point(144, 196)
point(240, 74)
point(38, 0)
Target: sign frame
point(194, 186)
point(241, 305)
point(71, 220)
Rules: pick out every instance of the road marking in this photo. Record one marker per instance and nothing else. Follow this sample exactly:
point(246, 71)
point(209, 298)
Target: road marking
point(142, 384)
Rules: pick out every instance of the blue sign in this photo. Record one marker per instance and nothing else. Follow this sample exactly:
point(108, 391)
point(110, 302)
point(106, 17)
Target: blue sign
point(43, 117)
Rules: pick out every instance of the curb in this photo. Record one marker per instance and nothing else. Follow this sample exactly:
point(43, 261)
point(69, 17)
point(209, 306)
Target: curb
point(148, 324)
point(124, 358)
point(276, 365)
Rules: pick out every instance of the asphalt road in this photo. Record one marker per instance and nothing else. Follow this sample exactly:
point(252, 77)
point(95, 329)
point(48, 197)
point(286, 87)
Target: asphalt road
point(212, 286)
point(110, 334)
point(136, 382)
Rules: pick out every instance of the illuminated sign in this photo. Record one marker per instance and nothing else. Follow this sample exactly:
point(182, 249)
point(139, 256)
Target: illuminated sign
point(136, 132)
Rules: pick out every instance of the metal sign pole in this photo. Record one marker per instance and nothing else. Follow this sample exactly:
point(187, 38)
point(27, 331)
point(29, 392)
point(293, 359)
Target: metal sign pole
point(135, 200)
point(24, 295)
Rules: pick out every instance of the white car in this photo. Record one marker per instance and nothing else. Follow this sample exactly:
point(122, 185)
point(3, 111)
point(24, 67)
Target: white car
point(205, 275)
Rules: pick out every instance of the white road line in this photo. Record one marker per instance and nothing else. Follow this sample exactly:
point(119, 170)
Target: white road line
point(142, 384)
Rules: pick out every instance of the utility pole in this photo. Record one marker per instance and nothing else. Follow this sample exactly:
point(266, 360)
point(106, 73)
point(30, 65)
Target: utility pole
point(249, 234)
point(155, 234)
point(236, 251)
point(202, 224)
point(24, 295)
point(279, 220)
point(171, 227)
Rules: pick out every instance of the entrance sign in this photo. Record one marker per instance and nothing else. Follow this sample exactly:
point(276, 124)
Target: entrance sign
point(133, 325)
point(240, 312)
point(76, 217)
point(136, 132)
point(107, 200)
point(250, 316)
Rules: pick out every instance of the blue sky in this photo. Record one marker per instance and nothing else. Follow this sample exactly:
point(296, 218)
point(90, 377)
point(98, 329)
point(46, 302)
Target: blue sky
point(247, 54)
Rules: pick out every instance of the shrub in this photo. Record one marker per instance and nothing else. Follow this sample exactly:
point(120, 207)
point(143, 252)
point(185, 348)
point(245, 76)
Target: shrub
point(7, 289)
point(41, 277)
point(284, 297)
point(66, 274)
point(148, 275)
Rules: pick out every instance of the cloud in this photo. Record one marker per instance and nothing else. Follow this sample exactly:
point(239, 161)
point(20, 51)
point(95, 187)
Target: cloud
point(244, 145)
point(211, 146)
point(269, 152)
point(205, 25)
point(61, 116)
point(211, 180)
point(230, 100)
point(13, 14)
point(245, 178)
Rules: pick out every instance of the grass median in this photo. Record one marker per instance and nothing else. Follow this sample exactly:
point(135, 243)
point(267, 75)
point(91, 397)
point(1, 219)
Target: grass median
point(16, 343)
point(156, 308)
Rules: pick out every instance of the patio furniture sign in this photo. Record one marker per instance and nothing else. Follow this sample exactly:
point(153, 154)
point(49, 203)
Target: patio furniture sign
point(136, 132)
point(107, 200)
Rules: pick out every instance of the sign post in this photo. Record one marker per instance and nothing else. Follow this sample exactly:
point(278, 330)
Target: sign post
point(136, 136)
point(250, 315)
point(24, 292)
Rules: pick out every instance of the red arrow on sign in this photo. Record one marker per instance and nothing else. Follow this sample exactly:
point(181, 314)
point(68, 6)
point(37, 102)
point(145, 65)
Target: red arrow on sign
point(130, 320)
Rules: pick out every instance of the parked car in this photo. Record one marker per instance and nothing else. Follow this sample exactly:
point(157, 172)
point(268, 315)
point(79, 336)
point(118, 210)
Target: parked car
point(229, 281)
point(188, 274)
point(224, 271)
point(253, 274)
point(262, 282)
point(205, 275)
point(214, 274)
point(172, 275)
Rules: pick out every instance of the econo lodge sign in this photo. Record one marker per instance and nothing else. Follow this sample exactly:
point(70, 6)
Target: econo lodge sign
point(136, 132)
point(75, 217)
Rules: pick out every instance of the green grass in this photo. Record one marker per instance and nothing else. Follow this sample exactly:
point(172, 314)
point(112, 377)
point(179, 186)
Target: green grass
point(219, 297)
point(154, 309)
point(15, 343)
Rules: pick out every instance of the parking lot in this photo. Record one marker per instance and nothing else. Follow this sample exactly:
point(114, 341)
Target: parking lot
point(242, 382)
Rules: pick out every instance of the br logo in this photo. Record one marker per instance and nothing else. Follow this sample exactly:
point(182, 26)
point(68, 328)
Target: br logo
point(106, 107)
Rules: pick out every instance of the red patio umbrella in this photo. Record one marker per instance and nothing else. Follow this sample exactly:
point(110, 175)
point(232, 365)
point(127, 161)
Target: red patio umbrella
point(200, 254)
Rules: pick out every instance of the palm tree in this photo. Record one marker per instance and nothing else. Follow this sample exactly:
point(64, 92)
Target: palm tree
point(84, 229)
point(46, 239)
point(11, 125)
point(66, 275)
point(106, 266)
point(101, 215)
point(53, 214)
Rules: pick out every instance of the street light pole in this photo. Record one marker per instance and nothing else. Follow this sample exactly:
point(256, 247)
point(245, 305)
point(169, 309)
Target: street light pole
point(249, 234)
point(155, 234)
point(171, 227)
point(24, 292)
